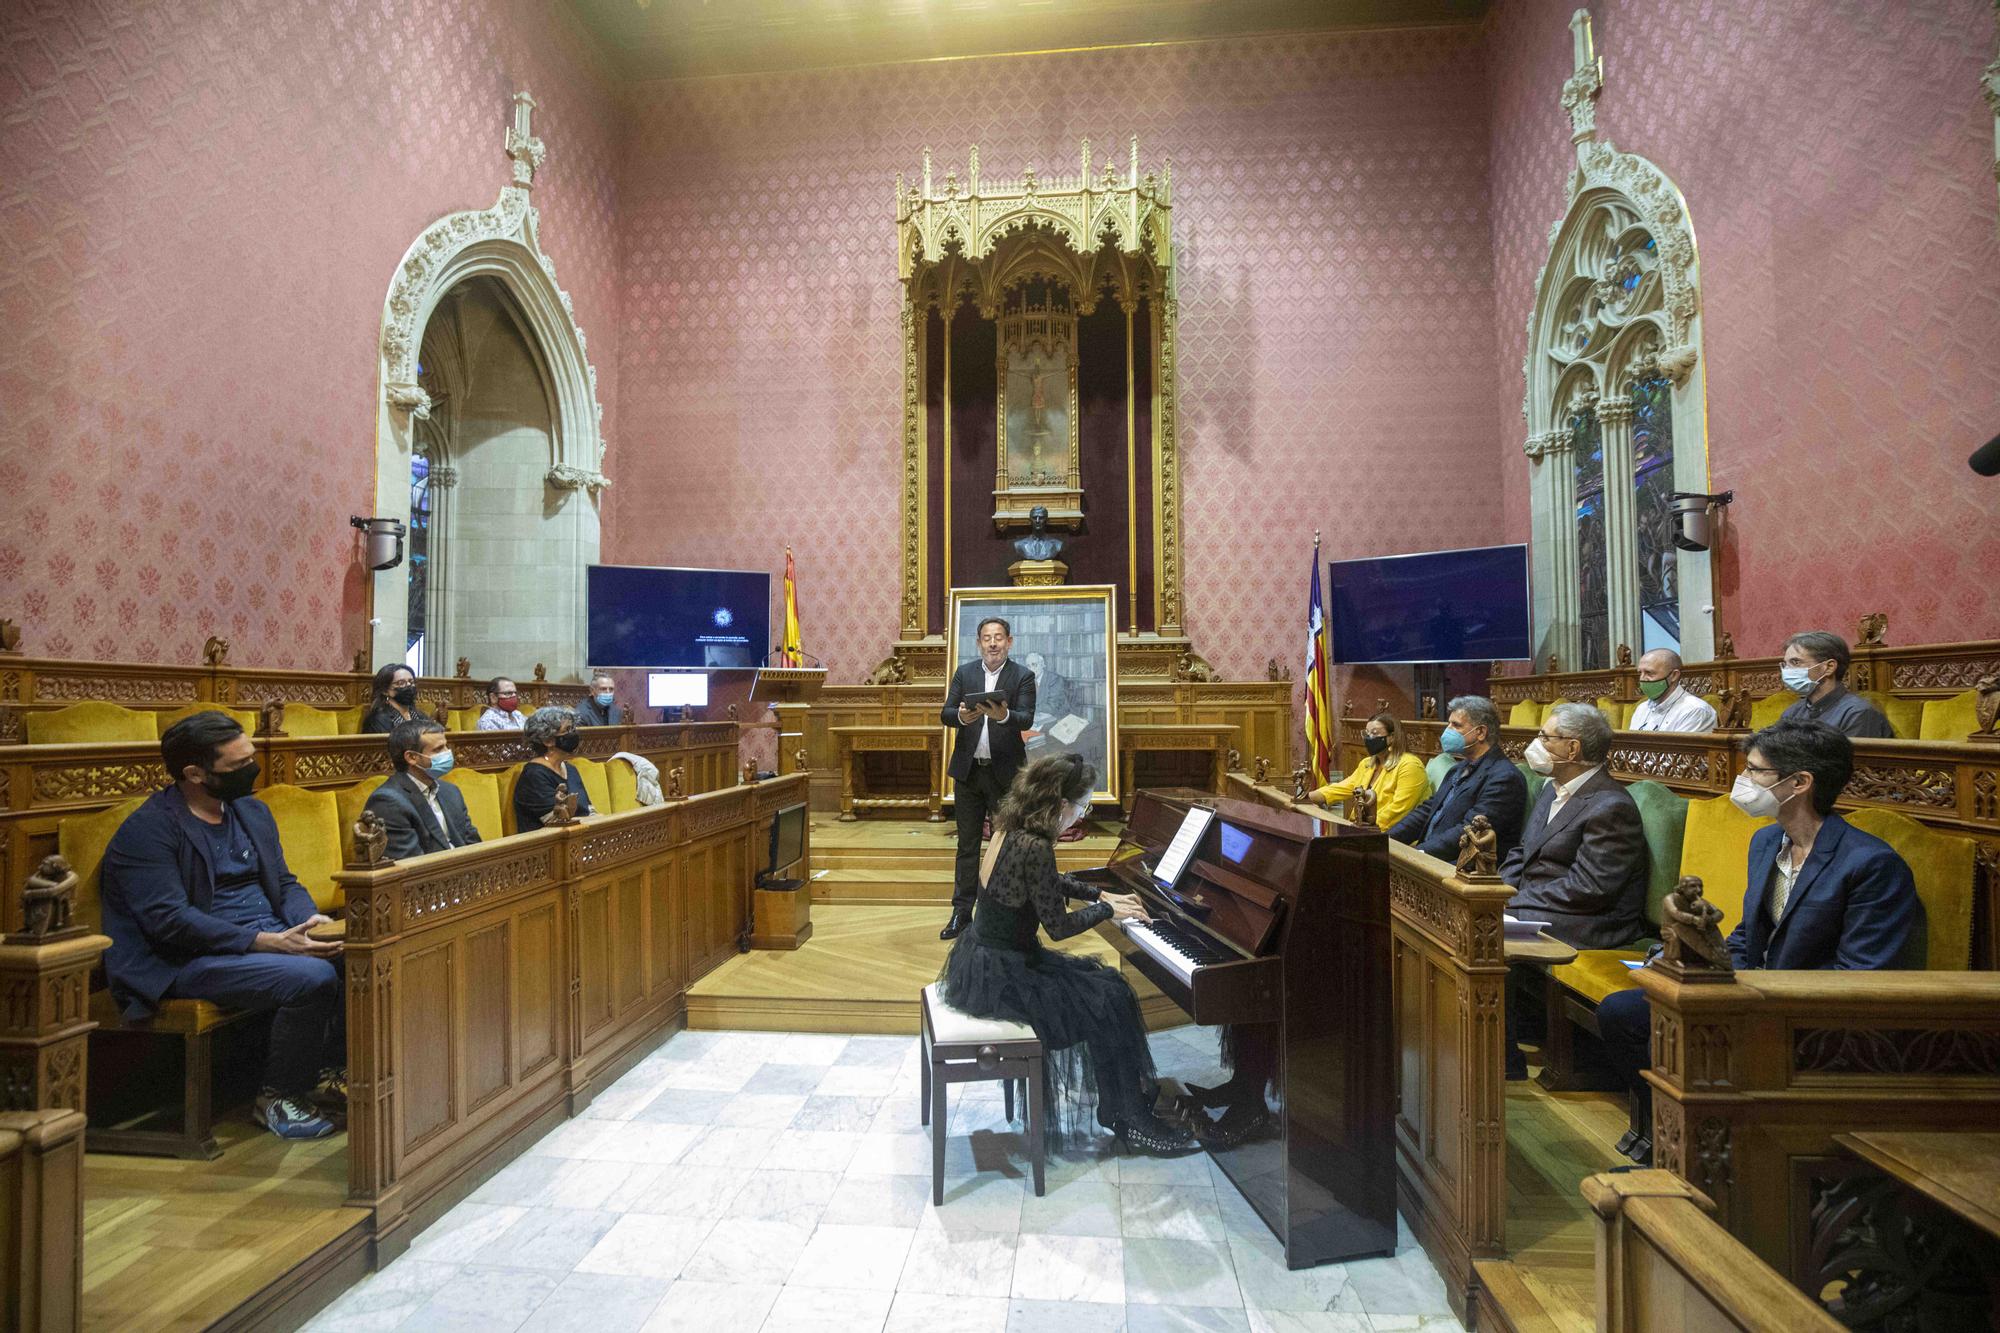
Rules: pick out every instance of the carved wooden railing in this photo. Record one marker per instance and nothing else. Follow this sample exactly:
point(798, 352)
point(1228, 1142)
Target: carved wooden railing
point(1952, 786)
point(1755, 1073)
point(1450, 978)
point(28, 684)
point(41, 785)
point(493, 990)
point(1923, 671)
point(41, 1220)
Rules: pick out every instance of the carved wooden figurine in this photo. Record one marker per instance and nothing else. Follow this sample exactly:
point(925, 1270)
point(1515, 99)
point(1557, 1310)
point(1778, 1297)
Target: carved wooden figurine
point(1986, 708)
point(1274, 671)
point(890, 671)
point(1299, 789)
point(799, 761)
point(732, 712)
point(1478, 850)
point(10, 637)
point(563, 812)
point(1235, 760)
point(1347, 706)
point(1363, 805)
point(462, 668)
point(1690, 929)
point(1873, 627)
point(1193, 666)
point(541, 674)
point(1430, 708)
point(48, 903)
point(1725, 647)
point(271, 718)
point(1624, 654)
point(1261, 773)
point(360, 664)
point(371, 841)
point(215, 652)
point(677, 783)
point(1734, 715)
point(749, 772)
point(1555, 664)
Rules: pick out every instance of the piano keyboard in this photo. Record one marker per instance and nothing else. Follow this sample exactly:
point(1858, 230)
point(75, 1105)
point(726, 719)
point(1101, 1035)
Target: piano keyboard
point(1180, 951)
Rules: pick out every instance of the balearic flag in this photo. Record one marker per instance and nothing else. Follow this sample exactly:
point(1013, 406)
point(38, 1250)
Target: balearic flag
point(1319, 691)
point(790, 652)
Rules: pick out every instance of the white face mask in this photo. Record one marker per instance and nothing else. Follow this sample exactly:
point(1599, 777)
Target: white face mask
point(1754, 799)
point(1539, 758)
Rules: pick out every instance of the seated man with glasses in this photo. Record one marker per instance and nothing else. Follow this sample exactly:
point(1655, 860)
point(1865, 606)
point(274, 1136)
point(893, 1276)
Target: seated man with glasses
point(1813, 667)
point(1821, 893)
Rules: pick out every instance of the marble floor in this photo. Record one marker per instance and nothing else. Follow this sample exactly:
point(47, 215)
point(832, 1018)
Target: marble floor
point(739, 1181)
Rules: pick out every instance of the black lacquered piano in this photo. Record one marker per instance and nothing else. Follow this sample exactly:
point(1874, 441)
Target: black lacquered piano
point(1278, 930)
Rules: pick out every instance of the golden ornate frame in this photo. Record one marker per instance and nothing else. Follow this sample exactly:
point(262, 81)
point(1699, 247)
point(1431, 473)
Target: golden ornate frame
point(1090, 231)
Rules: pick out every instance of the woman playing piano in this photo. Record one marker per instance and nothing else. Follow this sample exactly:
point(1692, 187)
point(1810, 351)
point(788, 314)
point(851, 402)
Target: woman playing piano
point(1084, 1012)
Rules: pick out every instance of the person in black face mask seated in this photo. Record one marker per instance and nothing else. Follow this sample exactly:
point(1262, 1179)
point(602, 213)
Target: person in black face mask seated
point(394, 701)
point(552, 732)
point(200, 905)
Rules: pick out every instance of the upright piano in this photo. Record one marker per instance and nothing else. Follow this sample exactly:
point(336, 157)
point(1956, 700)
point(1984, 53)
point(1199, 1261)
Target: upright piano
point(1278, 930)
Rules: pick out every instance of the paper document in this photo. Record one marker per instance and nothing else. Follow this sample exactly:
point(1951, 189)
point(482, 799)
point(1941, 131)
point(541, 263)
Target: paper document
point(1516, 928)
point(1069, 728)
point(1186, 839)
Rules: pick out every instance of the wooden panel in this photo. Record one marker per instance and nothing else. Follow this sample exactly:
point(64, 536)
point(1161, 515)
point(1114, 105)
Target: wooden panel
point(430, 1016)
point(667, 924)
point(1443, 1149)
point(628, 898)
point(594, 945)
point(489, 1004)
point(538, 996)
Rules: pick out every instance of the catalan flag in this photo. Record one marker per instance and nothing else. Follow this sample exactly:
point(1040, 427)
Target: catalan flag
point(1319, 682)
point(790, 652)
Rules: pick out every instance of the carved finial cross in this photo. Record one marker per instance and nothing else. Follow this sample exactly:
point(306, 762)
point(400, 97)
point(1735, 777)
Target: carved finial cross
point(522, 145)
point(1579, 94)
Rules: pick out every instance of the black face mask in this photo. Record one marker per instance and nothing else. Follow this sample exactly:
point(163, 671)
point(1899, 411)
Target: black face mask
point(1375, 744)
point(569, 742)
point(404, 695)
point(237, 782)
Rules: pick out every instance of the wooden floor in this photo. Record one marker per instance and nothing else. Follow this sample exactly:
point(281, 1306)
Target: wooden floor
point(1554, 1141)
point(178, 1245)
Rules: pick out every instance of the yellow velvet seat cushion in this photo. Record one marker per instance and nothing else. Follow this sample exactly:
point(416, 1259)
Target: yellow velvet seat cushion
point(347, 721)
point(1616, 713)
point(91, 722)
point(623, 781)
point(1906, 716)
point(505, 781)
point(350, 801)
point(305, 720)
point(596, 784)
point(1765, 711)
point(462, 719)
point(1950, 719)
point(1941, 863)
point(1527, 713)
point(1597, 973)
point(246, 718)
point(82, 840)
point(309, 832)
point(482, 800)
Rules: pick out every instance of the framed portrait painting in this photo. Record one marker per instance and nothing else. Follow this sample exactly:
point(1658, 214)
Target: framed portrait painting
point(1065, 636)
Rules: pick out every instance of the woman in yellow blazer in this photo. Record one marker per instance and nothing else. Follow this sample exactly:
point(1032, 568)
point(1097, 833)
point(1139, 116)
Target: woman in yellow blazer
point(1394, 774)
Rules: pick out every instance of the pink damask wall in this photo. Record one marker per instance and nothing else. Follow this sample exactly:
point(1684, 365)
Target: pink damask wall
point(1336, 310)
point(1838, 164)
point(202, 205)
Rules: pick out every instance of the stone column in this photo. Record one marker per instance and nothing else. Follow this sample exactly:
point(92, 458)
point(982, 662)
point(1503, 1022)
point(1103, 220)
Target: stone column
point(442, 629)
point(1552, 486)
point(1621, 541)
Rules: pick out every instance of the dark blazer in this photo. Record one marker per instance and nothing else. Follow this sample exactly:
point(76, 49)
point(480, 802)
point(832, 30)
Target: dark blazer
point(383, 718)
point(1490, 786)
point(535, 794)
point(589, 714)
point(158, 887)
point(1584, 872)
point(413, 829)
point(1007, 747)
point(1854, 907)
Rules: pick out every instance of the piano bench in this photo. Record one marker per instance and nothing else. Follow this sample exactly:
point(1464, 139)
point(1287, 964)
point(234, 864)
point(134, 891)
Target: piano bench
point(960, 1048)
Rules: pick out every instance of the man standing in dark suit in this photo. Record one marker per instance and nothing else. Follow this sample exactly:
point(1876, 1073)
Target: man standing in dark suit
point(1821, 894)
point(1483, 783)
point(423, 814)
point(1581, 865)
point(987, 752)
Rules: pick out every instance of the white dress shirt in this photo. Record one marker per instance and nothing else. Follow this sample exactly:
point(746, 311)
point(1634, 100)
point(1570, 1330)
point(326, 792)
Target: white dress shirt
point(983, 750)
point(496, 719)
point(1565, 790)
point(1676, 710)
point(430, 791)
point(1784, 877)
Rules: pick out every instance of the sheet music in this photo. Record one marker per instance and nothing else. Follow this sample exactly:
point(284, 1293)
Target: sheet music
point(1174, 860)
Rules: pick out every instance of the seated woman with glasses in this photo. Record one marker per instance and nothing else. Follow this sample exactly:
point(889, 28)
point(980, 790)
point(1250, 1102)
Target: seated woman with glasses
point(1390, 771)
point(1085, 1013)
point(552, 732)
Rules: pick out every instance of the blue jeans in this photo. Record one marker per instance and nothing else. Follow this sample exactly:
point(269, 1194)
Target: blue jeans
point(308, 1031)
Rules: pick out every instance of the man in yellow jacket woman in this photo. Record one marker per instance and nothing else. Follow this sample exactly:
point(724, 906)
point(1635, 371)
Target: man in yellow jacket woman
point(1394, 774)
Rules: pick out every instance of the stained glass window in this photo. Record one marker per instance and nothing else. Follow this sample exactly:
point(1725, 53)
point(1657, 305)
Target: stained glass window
point(419, 543)
point(1593, 592)
point(1652, 515)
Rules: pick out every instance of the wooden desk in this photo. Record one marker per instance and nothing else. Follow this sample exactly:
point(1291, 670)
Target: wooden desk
point(854, 742)
point(1959, 1171)
point(1211, 740)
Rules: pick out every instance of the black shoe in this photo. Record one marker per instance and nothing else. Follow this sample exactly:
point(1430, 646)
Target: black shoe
point(1152, 1137)
point(960, 919)
point(1641, 1152)
point(1517, 1068)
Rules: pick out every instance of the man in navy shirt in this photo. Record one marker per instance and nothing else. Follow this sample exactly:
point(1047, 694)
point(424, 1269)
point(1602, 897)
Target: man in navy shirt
point(200, 905)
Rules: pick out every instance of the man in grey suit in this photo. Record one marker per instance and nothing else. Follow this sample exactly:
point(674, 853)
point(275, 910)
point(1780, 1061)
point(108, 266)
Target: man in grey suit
point(423, 813)
point(1581, 865)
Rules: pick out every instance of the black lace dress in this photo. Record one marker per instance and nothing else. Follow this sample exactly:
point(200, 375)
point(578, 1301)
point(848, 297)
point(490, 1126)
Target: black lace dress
point(1084, 1012)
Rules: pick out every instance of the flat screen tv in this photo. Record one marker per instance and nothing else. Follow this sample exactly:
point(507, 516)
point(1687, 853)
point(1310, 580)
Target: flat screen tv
point(1439, 606)
point(648, 616)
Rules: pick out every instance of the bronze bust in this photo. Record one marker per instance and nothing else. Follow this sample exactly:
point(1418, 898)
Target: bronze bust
point(1040, 543)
